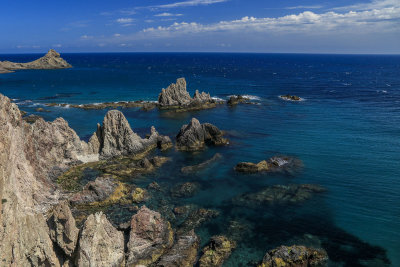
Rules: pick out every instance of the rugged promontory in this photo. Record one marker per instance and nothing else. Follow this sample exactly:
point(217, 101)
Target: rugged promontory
point(52, 60)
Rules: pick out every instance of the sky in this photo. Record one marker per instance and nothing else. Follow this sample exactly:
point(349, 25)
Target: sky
point(262, 26)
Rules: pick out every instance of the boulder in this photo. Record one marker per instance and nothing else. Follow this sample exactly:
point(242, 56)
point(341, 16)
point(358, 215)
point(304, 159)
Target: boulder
point(100, 244)
point(194, 136)
point(183, 253)
point(63, 230)
point(150, 237)
point(217, 251)
point(288, 165)
point(295, 256)
point(290, 97)
point(95, 191)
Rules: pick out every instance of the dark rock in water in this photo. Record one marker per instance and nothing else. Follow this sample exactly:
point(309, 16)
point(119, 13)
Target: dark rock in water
point(115, 137)
point(150, 237)
point(63, 230)
point(295, 256)
point(216, 252)
point(52, 60)
point(185, 190)
point(100, 244)
point(146, 106)
point(236, 99)
point(290, 97)
point(139, 195)
point(32, 118)
point(203, 165)
point(280, 194)
point(154, 186)
point(41, 110)
point(195, 218)
point(176, 97)
point(183, 253)
point(194, 136)
point(284, 164)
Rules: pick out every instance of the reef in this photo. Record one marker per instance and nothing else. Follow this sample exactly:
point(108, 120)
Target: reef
point(295, 256)
point(145, 105)
point(201, 166)
point(288, 165)
point(280, 194)
point(52, 60)
point(194, 136)
point(176, 97)
point(217, 251)
point(290, 97)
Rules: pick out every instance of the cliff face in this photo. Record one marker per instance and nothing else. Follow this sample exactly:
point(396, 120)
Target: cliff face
point(52, 60)
point(29, 154)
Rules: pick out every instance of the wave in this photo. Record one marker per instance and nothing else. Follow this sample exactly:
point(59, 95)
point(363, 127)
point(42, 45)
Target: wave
point(216, 98)
point(249, 97)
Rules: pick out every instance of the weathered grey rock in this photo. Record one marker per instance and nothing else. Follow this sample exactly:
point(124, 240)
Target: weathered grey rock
point(183, 253)
point(63, 230)
point(100, 244)
point(194, 136)
point(115, 137)
point(150, 237)
point(288, 165)
point(94, 191)
point(52, 60)
point(177, 97)
point(175, 94)
point(217, 251)
point(295, 256)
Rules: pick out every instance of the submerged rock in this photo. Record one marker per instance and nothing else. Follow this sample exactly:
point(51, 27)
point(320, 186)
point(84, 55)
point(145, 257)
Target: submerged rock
point(139, 195)
point(115, 137)
point(217, 251)
point(176, 97)
point(52, 60)
point(108, 105)
point(183, 253)
point(280, 194)
point(194, 136)
point(203, 165)
point(295, 256)
point(100, 244)
point(63, 230)
point(290, 97)
point(187, 189)
point(149, 238)
point(195, 217)
point(284, 164)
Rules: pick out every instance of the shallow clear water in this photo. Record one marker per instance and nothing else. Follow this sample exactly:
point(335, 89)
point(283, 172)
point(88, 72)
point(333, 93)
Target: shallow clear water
point(346, 132)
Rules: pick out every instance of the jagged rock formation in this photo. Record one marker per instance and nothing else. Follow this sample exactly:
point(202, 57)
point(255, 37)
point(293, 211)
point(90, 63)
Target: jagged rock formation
point(63, 230)
point(100, 244)
point(149, 238)
point(177, 97)
point(217, 251)
point(295, 256)
point(115, 137)
point(52, 60)
point(183, 253)
point(194, 136)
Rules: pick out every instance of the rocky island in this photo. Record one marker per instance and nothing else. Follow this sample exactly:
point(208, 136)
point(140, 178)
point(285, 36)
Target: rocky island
point(291, 97)
point(52, 60)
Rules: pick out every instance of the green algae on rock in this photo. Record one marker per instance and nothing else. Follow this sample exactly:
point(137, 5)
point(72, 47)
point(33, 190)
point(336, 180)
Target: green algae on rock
point(217, 251)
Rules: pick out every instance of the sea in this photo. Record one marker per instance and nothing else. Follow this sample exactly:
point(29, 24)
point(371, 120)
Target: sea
point(345, 130)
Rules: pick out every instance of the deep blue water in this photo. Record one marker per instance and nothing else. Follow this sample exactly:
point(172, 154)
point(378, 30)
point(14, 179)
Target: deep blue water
point(346, 131)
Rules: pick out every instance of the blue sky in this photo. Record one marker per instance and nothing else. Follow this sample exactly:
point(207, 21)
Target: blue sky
point(290, 26)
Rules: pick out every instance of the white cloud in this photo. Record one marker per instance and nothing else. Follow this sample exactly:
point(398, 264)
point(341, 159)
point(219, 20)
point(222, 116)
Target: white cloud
point(86, 37)
point(190, 3)
point(57, 45)
point(117, 35)
point(165, 14)
point(124, 20)
point(385, 19)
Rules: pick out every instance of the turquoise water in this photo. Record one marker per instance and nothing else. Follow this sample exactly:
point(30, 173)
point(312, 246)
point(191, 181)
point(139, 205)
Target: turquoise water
point(346, 132)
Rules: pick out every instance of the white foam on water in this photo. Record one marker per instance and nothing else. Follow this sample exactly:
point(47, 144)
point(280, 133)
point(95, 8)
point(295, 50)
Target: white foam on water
point(216, 98)
point(249, 97)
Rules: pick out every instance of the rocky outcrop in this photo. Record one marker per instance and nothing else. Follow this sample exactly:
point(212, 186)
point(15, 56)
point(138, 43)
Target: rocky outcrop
point(187, 189)
point(100, 244)
point(217, 251)
point(115, 137)
point(236, 99)
point(52, 60)
point(290, 97)
point(183, 253)
point(280, 194)
point(28, 152)
point(150, 237)
point(283, 164)
point(201, 166)
point(194, 136)
point(177, 97)
point(63, 230)
point(295, 256)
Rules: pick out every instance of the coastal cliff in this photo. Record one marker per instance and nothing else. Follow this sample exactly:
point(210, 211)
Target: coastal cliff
point(52, 60)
